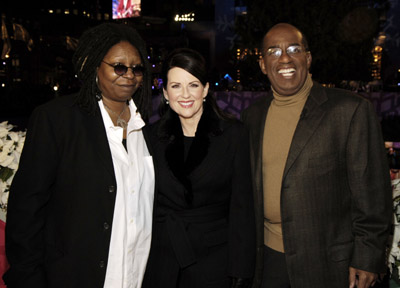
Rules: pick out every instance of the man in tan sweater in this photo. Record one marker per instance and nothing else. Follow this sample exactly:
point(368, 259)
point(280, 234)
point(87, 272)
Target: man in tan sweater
point(321, 180)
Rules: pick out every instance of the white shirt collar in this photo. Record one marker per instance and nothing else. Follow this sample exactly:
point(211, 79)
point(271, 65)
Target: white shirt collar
point(135, 122)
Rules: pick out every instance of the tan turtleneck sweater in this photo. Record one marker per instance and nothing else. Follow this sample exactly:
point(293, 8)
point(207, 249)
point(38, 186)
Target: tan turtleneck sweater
point(282, 118)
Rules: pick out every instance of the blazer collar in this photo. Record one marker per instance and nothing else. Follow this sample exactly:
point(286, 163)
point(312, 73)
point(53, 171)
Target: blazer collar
point(310, 118)
point(97, 133)
point(258, 117)
point(209, 126)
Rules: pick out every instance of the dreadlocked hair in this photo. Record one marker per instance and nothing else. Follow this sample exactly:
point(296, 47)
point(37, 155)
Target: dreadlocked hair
point(93, 46)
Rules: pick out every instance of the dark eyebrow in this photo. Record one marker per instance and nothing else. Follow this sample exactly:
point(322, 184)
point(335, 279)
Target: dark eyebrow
point(116, 62)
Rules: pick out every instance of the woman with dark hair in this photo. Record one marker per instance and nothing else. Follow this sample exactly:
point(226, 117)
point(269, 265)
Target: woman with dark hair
point(203, 231)
point(80, 205)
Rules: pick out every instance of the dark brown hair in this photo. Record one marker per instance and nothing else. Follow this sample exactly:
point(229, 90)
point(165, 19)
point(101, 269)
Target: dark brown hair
point(194, 63)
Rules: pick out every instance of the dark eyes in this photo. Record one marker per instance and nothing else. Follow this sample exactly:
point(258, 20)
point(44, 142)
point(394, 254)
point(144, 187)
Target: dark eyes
point(192, 85)
point(121, 69)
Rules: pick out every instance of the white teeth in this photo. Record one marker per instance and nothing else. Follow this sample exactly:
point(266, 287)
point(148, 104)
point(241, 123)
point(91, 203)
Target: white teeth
point(186, 104)
point(287, 72)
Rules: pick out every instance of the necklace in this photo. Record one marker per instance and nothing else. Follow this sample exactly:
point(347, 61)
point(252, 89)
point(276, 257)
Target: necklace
point(120, 122)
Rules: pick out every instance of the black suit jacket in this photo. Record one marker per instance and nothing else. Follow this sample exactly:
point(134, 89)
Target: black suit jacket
point(61, 202)
point(336, 196)
point(212, 229)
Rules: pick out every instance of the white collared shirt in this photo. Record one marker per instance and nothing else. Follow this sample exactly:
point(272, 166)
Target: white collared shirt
point(131, 228)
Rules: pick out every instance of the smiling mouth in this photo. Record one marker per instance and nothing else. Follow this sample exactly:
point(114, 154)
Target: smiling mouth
point(289, 72)
point(186, 104)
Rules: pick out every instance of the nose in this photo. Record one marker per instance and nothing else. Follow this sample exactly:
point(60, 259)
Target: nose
point(129, 73)
point(185, 93)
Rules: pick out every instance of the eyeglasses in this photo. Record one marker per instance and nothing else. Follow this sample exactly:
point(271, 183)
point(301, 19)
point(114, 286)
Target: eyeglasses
point(293, 50)
point(121, 69)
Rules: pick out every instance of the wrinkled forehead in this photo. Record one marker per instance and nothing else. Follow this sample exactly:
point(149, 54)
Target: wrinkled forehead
point(282, 37)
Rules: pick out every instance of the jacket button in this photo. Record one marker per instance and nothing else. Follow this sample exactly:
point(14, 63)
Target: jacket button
point(102, 264)
point(111, 189)
point(106, 226)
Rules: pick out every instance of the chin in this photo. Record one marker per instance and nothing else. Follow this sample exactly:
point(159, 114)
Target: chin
point(186, 116)
point(126, 97)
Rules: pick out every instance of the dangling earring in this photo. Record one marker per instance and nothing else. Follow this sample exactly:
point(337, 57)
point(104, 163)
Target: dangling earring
point(98, 97)
point(166, 101)
point(97, 81)
point(204, 99)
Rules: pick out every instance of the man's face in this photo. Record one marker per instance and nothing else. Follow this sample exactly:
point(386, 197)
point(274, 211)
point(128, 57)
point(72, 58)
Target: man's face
point(286, 72)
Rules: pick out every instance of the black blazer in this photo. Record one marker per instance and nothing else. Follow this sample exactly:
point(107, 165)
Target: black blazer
point(61, 202)
point(209, 196)
point(336, 197)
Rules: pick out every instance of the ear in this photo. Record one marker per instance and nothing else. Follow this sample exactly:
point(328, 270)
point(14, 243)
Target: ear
point(262, 66)
point(205, 90)
point(165, 94)
point(309, 60)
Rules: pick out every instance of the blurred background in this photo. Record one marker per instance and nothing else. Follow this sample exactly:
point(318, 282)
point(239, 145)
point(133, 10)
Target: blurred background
point(354, 44)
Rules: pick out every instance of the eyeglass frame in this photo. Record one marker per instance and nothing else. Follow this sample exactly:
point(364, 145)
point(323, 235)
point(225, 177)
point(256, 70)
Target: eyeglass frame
point(126, 68)
point(288, 52)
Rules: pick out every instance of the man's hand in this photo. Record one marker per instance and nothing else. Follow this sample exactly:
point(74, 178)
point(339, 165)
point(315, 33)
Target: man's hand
point(361, 279)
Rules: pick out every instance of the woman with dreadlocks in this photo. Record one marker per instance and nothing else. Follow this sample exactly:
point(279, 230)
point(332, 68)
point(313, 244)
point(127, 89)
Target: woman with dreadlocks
point(80, 206)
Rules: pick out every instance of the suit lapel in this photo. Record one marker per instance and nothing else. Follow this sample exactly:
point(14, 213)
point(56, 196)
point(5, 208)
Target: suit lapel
point(198, 151)
point(258, 140)
point(97, 134)
point(309, 121)
point(146, 136)
point(256, 121)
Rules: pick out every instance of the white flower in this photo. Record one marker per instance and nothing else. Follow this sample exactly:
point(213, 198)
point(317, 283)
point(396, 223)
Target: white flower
point(3, 132)
point(5, 159)
point(14, 136)
point(3, 194)
point(20, 144)
point(4, 198)
point(14, 164)
point(11, 144)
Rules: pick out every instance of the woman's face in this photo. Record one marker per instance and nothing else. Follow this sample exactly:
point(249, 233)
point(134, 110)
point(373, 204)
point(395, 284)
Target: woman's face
point(185, 94)
point(114, 87)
